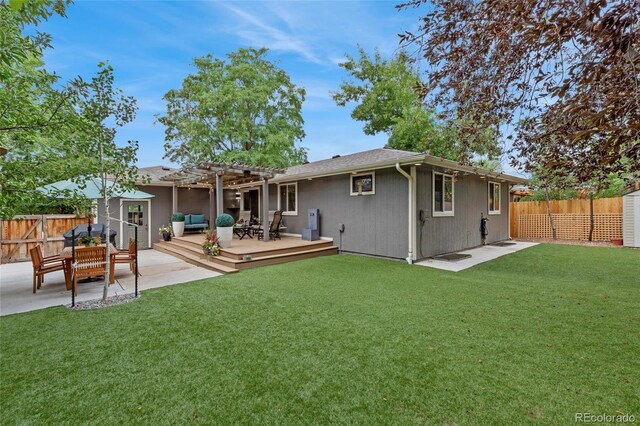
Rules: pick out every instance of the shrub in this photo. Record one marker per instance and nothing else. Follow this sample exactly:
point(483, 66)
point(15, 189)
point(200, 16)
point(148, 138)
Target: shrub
point(225, 220)
point(177, 217)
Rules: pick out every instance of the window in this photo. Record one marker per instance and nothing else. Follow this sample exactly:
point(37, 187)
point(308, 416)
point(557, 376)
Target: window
point(443, 193)
point(288, 198)
point(135, 214)
point(363, 184)
point(494, 198)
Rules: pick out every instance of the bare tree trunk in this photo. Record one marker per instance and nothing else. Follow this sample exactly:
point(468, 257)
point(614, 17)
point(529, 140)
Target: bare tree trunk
point(553, 225)
point(105, 197)
point(105, 292)
point(591, 219)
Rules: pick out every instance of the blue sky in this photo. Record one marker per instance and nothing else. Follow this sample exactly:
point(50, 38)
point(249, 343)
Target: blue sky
point(151, 46)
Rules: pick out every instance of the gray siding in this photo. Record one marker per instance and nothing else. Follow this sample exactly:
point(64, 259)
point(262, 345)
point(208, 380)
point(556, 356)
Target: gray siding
point(461, 231)
point(374, 224)
point(195, 200)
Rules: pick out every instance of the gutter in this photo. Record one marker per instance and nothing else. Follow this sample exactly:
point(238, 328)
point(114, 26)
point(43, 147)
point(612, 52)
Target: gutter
point(410, 239)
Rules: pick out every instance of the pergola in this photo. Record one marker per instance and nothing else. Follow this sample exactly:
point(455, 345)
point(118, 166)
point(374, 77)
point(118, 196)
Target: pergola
point(222, 175)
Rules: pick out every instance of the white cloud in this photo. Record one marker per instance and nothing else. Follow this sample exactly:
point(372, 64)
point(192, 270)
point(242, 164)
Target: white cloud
point(261, 34)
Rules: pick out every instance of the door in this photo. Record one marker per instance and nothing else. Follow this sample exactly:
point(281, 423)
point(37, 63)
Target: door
point(135, 212)
point(250, 203)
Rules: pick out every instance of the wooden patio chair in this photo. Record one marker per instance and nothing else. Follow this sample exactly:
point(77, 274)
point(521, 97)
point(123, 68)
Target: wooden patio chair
point(274, 228)
point(44, 265)
point(127, 256)
point(90, 262)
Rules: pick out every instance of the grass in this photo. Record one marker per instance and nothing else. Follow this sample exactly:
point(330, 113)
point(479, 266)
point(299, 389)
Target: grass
point(532, 337)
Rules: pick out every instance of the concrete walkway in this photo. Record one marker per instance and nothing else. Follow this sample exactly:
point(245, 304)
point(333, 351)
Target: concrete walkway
point(156, 269)
point(478, 255)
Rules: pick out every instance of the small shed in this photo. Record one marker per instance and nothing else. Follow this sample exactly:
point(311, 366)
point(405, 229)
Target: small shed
point(631, 219)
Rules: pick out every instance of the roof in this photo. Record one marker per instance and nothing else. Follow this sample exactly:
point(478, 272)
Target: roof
point(156, 173)
point(241, 175)
point(352, 161)
point(382, 158)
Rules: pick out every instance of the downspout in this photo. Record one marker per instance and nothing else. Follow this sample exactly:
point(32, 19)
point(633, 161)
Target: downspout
point(410, 213)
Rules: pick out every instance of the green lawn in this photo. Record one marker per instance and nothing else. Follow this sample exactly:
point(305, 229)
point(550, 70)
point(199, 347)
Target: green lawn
point(535, 336)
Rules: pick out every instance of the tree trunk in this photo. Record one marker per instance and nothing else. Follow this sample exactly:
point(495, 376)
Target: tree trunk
point(553, 225)
point(591, 219)
point(105, 292)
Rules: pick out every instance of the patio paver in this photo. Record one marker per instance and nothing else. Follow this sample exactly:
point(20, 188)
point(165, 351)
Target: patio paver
point(478, 255)
point(156, 269)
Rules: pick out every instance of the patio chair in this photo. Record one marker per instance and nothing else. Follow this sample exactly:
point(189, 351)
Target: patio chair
point(127, 256)
point(43, 265)
point(90, 262)
point(274, 228)
point(245, 217)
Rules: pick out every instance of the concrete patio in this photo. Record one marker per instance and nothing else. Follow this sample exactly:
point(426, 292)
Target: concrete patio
point(156, 269)
point(478, 255)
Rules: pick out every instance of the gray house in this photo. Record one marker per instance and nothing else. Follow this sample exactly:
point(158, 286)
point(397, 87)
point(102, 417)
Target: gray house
point(382, 202)
point(397, 204)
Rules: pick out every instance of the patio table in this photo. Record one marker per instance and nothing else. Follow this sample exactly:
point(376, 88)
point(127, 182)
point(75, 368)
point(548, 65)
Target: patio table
point(243, 231)
point(66, 258)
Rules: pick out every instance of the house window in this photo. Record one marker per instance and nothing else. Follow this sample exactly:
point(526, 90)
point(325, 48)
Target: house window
point(363, 184)
point(443, 193)
point(288, 198)
point(494, 198)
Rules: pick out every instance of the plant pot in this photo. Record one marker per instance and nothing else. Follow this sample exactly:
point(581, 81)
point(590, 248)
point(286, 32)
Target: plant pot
point(166, 236)
point(616, 241)
point(178, 228)
point(225, 235)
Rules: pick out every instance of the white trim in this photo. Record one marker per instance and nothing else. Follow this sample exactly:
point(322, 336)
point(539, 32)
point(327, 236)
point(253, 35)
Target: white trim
point(489, 189)
point(443, 213)
point(414, 221)
point(373, 183)
point(122, 220)
point(288, 213)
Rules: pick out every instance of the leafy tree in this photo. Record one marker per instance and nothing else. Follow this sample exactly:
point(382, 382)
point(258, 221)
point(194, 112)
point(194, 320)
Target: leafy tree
point(388, 102)
point(243, 109)
point(35, 117)
point(568, 67)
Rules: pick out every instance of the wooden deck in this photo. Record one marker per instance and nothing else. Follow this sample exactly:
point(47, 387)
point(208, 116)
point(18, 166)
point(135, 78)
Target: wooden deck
point(245, 253)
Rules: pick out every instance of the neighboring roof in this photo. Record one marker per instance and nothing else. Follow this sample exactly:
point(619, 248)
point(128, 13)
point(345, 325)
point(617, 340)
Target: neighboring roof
point(90, 188)
point(156, 173)
point(378, 159)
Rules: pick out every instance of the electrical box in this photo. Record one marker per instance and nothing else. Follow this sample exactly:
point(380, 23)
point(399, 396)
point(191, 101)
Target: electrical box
point(312, 232)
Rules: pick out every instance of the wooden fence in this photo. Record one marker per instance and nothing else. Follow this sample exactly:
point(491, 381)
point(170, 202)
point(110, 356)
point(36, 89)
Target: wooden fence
point(19, 235)
point(530, 220)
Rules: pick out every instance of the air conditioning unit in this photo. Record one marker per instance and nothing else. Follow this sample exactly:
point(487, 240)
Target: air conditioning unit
point(631, 219)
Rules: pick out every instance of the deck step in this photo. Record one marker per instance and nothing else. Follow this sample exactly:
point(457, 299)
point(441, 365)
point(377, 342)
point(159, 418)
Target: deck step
point(255, 254)
point(193, 258)
point(227, 263)
point(286, 257)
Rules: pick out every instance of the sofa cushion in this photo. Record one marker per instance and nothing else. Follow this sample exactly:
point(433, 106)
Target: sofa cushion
point(187, 219)
point(197, 219)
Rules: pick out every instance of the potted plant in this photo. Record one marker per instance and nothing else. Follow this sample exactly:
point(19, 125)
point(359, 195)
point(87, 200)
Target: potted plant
point(177, 222)
point(224, 227)
point(165, 231)
point(210, 246)
point(88, 241)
